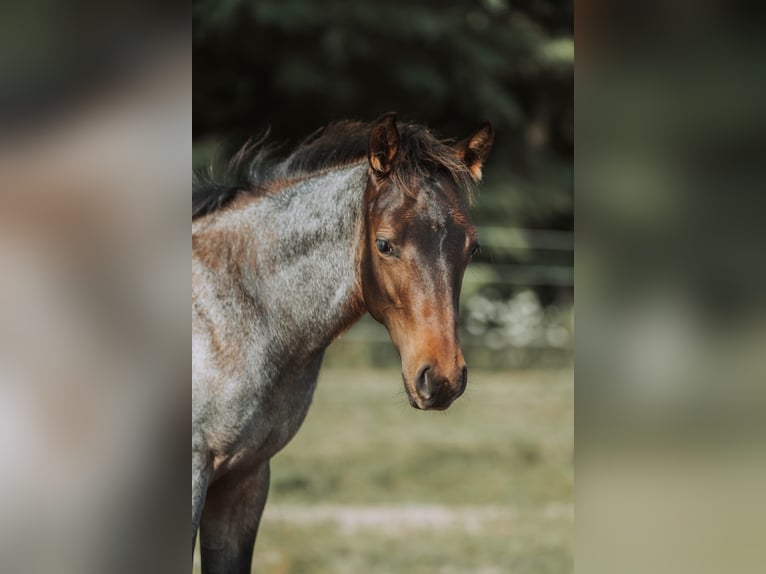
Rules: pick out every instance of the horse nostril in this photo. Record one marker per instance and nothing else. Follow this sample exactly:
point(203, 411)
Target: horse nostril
point(424, 384)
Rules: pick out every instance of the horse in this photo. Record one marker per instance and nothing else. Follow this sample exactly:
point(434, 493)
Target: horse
point(288, 254)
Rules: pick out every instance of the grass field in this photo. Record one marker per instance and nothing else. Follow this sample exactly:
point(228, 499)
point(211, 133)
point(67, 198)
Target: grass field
point(371, 485)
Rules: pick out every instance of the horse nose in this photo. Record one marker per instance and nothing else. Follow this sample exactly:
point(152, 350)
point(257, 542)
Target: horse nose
point(437, 392)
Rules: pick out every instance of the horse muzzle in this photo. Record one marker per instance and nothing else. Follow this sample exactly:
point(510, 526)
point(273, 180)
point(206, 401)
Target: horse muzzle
point(431, 391)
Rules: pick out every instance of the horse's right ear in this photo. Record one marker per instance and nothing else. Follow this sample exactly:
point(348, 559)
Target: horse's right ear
point(384, 144)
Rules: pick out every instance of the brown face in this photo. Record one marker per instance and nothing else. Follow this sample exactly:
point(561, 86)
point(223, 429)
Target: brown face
point(417, 250)
point(418, 243)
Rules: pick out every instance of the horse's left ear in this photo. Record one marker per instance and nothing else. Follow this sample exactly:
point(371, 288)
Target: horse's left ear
point(384, 144)
point(473, 150)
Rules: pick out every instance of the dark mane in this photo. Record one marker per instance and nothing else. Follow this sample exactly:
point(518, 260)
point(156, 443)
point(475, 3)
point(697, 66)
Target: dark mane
point(256, 169)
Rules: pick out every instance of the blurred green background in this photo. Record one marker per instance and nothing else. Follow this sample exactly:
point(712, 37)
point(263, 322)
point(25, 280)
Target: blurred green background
point(369, 483)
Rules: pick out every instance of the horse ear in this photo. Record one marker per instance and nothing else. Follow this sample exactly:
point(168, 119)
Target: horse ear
point(473, 150)
point(384, 143)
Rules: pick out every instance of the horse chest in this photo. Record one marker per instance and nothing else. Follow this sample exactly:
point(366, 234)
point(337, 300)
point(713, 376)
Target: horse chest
point(285, 411)
point(265, 421)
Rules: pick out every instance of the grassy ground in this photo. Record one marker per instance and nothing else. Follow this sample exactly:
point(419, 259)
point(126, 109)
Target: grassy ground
point(372, 485)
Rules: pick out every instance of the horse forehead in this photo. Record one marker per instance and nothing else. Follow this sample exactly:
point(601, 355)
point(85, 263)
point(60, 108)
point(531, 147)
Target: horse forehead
point(437, 206)
point(442, 231)
point(443, 213)
point(435, 210)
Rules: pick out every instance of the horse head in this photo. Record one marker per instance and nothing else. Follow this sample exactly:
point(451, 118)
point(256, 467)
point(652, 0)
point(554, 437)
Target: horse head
point(418, 240)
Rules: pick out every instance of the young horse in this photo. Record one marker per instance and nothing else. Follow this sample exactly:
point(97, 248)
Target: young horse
point(358, 218)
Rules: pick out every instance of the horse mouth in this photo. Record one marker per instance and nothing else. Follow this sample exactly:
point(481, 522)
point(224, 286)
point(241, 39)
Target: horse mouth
point(439, 402)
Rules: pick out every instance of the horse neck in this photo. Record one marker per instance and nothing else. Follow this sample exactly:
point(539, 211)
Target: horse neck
point(303, 269)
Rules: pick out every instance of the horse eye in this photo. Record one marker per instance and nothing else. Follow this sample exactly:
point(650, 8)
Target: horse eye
point(384, 246)
point(476, 249)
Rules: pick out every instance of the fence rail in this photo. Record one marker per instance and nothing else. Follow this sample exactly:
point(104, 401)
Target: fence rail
point(522, 274)
point(505, 239)
point(528, 239)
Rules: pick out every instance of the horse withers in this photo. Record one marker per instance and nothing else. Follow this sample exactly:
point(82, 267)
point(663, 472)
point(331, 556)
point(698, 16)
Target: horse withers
point(358, 218)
